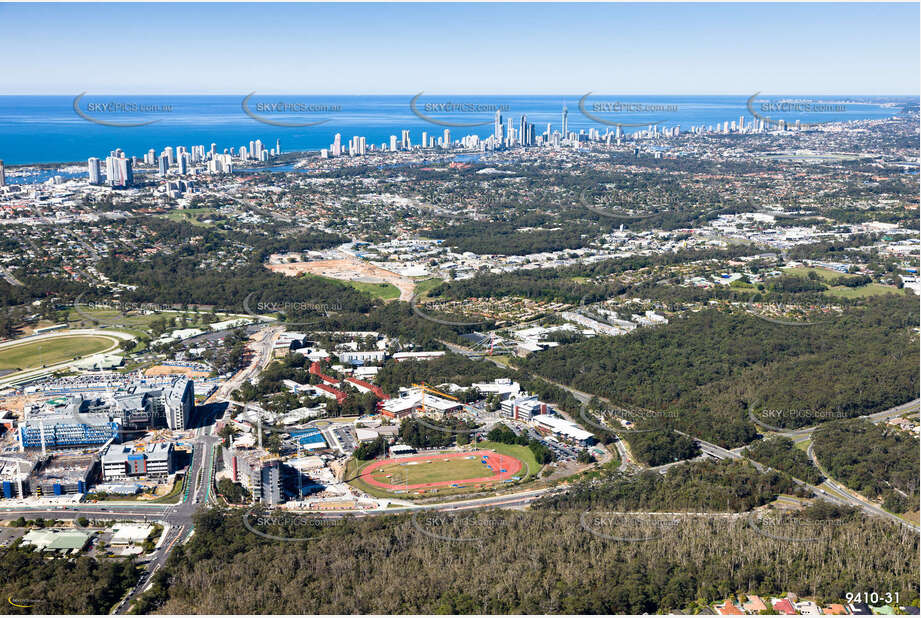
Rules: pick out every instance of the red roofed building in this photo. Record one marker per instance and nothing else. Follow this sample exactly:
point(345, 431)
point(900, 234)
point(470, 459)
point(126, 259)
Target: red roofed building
point(339, 395)
point(367, 387)
point(835, 609)
point(315, 370)
point(728, 609)
point(784, 606)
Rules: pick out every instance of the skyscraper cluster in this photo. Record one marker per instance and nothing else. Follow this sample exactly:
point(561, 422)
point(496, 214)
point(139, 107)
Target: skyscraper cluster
point(119, 170)
point(507, 133)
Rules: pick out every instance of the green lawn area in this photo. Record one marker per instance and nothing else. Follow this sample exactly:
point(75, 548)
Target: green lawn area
point(412, 473)
point(192, 215)
point(427, 285)
point(823, 273)
point(137, 323)
point(531, 467)
point(440, 472)
point(175, 494)
point(871, 289)
point(51, 351)
point(134, 323)
point(384, 291)
point(842, 291)
point(804, 445)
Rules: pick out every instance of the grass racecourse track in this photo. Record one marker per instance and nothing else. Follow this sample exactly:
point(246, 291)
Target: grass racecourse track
point(29, 354)
point(441, 470)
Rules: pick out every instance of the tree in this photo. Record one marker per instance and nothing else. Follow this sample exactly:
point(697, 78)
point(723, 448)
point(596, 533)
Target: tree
point(372, 449)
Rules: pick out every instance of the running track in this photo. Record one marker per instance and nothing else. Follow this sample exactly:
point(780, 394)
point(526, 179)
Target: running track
point(511, 465)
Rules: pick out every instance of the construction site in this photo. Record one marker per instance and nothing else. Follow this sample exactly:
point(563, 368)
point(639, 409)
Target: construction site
point(347, 268)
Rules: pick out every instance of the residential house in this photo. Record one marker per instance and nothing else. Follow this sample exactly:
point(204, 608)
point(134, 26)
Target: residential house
point(728, 608)
point(835, 609)
point(754, 604)
point(783, 606)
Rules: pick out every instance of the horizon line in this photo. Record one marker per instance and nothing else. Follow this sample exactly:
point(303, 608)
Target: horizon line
point(464, 94)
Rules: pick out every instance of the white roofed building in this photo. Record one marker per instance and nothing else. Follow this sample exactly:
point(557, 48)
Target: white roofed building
point(562, 428)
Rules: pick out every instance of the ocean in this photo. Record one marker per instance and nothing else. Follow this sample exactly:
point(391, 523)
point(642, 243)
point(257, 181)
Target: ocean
point(48, 129)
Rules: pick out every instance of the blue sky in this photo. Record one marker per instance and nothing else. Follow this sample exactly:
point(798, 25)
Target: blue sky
point(452, 48)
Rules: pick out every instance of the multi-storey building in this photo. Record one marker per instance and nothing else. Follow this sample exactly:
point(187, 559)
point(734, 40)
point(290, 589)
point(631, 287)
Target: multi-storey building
point(523, 408)
point(78, 421)
point(122, 461)
point(258, 471)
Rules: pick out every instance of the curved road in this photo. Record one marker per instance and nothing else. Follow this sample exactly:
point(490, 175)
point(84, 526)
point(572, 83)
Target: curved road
point(845, 497)
point(200, 481)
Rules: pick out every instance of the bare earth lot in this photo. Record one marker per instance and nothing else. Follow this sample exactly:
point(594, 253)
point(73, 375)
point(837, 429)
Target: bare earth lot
point(348, 269)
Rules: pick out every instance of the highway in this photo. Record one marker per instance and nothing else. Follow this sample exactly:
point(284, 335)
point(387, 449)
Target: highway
point(843, 497)
point(851, 496)
point(262, 356)
point(8, 276)
point(199, 479)
point(799, 435)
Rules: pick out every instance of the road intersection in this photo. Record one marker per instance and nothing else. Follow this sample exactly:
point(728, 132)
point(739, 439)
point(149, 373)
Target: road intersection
point(199, 480)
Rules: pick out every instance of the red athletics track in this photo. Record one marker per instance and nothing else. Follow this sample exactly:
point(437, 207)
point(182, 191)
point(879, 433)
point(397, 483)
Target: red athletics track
point(511, 465)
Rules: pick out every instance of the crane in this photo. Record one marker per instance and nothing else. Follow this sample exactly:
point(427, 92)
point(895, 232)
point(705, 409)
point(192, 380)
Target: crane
point(425, 388)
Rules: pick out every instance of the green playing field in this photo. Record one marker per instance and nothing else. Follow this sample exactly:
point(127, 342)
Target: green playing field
point(51, 351)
